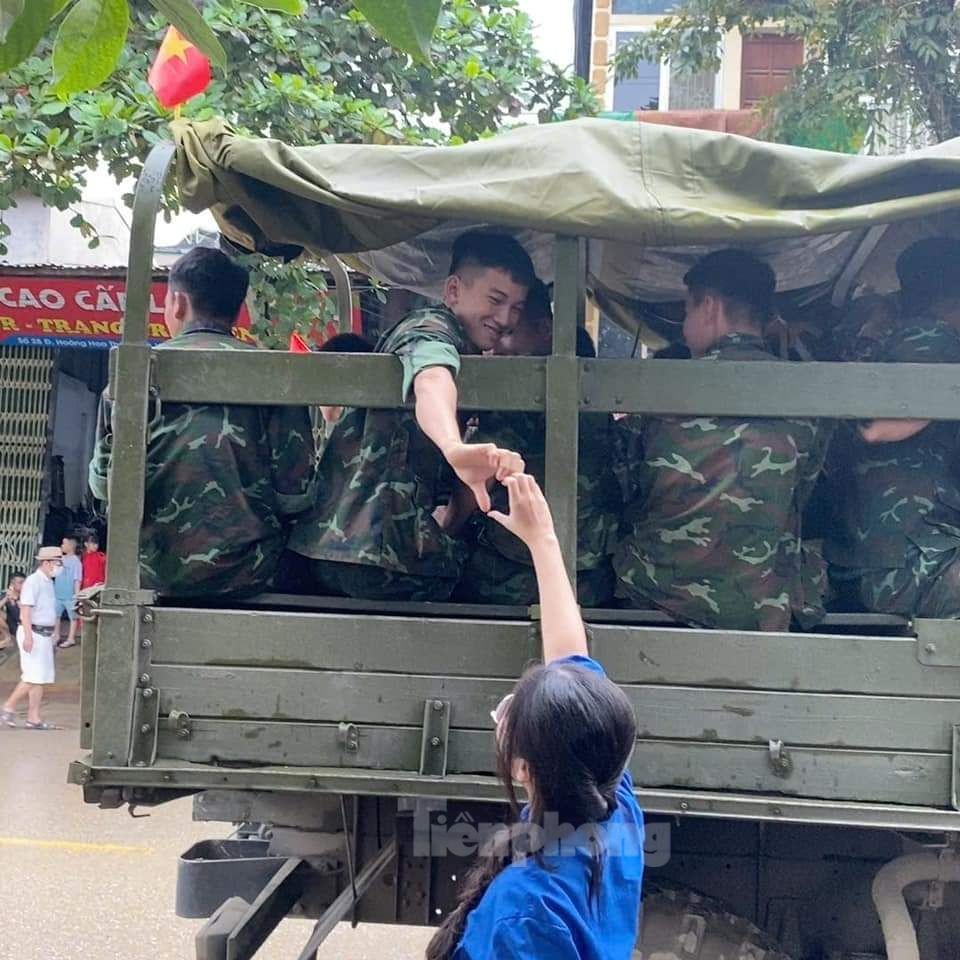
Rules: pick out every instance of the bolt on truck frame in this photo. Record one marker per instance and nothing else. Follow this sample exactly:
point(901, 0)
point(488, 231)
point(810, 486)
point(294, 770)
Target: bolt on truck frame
point(352, 731)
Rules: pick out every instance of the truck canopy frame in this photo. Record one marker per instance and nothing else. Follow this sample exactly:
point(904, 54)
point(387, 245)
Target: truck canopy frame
point(827, 728)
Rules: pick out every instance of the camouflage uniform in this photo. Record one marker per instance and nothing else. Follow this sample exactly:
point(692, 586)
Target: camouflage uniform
point(219, 481)
point(714, 534)
point(897, 541)
point(372, 532)
point(867, 327)
point(500, 569)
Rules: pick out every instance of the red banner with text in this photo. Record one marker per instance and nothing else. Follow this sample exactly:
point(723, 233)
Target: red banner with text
point(77, 312)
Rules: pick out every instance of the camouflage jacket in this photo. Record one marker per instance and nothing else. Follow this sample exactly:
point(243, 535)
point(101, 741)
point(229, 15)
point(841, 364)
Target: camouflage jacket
point(894, 495)
point(599, 501)
point(713, 535)
point(380, 477)
point(220, 480)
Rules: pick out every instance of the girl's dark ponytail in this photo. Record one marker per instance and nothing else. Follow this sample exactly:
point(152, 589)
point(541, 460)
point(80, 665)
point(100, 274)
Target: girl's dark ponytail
point(574, 731)
point(491, 861)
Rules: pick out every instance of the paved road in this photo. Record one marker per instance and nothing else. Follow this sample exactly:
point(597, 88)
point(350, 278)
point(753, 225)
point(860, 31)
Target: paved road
point(79, 882)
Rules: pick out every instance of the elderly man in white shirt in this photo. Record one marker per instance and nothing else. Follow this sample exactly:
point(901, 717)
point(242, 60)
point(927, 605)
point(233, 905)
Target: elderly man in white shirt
point(35, 638)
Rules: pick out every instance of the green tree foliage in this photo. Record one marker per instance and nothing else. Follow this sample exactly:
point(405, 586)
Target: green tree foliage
point(867, 62)
point(91, 35)
point(325, 76)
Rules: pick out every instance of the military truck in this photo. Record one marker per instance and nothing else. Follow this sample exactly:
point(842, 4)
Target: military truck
point(804, 788)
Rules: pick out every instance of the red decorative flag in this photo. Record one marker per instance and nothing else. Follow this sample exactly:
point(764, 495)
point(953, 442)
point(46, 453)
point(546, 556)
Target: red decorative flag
point(298, 344)
point(179, 72)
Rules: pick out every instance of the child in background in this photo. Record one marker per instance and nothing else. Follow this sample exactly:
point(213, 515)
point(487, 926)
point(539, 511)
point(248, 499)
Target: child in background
point(65, 588)
point(94, 562)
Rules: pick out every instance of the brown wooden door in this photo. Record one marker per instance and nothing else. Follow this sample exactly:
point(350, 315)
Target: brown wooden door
point(768, 63)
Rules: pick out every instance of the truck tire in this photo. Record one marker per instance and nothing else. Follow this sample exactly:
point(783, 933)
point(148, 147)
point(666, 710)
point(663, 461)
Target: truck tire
point(680, 924)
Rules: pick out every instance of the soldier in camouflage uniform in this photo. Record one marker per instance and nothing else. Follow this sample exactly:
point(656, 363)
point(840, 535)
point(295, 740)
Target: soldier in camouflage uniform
point(220, 480)
point(714, 533)
point(372, 532)
point(500, 569)
point(896, 547)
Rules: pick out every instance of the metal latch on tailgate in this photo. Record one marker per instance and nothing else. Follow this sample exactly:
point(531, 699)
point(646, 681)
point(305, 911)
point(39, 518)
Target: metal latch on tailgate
point(180, 723)
point(435, 741)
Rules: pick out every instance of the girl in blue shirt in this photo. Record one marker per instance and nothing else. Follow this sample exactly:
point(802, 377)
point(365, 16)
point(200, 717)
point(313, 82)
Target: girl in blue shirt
point(564, 881)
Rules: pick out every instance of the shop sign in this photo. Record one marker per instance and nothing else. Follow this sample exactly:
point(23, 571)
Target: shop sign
point(84, 312)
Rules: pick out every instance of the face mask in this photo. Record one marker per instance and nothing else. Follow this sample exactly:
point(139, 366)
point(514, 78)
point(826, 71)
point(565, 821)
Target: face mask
point(56, 572)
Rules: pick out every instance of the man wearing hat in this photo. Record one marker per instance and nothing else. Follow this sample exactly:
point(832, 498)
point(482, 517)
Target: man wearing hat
point(35, 638)
point(896, 546)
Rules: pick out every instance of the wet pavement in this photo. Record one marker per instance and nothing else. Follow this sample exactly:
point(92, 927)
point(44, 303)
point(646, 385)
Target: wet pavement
point(80, 882)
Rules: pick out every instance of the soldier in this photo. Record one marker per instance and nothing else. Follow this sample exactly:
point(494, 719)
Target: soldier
point(221, 480)
point(896, 547)
point(372, 533)
point(500, 569)
point(714, 532)
point(340, 343)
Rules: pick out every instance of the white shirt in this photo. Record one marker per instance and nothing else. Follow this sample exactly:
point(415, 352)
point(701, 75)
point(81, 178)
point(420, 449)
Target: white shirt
point(38, 593)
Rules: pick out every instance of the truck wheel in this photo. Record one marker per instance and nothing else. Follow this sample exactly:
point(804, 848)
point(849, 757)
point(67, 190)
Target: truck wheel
point(680, 924)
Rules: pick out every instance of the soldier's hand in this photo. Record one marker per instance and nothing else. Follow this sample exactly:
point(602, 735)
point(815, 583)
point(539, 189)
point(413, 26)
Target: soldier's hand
point(476, 463)
point(529, 517)
point(28, 643)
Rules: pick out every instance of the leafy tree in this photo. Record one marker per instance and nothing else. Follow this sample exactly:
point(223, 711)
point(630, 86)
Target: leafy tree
point(867, 63)
point(91, 33)
point(323, 77)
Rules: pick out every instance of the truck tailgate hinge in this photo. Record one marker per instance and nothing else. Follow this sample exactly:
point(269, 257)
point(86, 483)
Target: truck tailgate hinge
point(436, 734)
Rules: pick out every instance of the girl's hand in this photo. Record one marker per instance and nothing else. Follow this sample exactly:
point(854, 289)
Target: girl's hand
point(529, 516)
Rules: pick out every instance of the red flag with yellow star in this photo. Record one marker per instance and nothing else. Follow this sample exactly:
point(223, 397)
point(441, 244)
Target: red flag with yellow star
point(179, 72)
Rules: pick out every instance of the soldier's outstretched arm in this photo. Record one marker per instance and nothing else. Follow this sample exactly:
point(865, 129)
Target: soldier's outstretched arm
point(474, 463)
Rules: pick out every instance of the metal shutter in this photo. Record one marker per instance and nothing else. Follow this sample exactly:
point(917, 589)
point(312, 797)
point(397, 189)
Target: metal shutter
point(26, 378)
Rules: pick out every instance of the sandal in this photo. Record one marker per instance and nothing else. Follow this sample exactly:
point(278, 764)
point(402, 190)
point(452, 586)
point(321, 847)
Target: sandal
point(30, 725)
point(8, 717)
point(66, 644)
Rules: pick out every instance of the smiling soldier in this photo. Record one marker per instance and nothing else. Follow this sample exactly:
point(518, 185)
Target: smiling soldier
point(372, 533)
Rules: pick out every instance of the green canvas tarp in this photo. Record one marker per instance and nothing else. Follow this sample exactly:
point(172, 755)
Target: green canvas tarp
point(650, 197)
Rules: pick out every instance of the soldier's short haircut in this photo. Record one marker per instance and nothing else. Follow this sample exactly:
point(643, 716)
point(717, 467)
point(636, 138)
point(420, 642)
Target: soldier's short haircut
point(539, 310)
point(347, 343)
point(538, 306)
point(929, 271)
point(737, 276)
point(215, 284)
point(493, 251)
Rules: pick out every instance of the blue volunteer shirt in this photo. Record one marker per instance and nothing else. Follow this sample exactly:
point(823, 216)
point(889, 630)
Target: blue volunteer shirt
point(533, 911)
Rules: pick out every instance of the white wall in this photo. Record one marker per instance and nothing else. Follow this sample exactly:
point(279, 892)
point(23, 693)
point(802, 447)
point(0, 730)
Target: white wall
point(29, 240)
point(44, 236)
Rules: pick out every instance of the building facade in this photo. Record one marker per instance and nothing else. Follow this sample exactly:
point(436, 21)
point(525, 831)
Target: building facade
point(752, 67)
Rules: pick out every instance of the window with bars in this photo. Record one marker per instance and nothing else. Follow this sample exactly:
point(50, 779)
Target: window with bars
point(692, 91)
